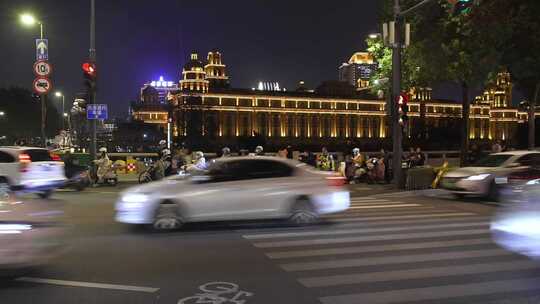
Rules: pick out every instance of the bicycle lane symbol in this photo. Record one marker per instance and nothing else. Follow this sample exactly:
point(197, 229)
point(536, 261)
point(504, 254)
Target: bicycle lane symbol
point(218, 293)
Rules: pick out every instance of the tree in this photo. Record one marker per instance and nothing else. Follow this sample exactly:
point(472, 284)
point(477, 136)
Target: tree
point(22, 117)
point(447, 47)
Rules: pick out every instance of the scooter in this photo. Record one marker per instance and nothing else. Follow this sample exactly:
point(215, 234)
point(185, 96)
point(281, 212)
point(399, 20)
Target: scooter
point(110, 178)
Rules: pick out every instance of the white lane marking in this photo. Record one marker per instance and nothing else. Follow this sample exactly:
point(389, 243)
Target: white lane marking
point(376, 203)
point(367, 238)
point(367, 200)
point(436, 292)
point(412, 216)
point(371, 211)
point(361, 230)
point(375, 248)
point(413, 222)
point(367, 213)
point(88, 284)
point(385, 206)
point(422, 273)
point(389, 260)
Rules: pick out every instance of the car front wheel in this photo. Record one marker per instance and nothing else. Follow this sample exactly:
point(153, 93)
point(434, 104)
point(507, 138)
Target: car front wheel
point(45, 194)
point(303, 213)
point(167, 218)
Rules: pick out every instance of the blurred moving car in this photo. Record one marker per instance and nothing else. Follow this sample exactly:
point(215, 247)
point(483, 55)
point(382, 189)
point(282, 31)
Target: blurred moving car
point(485, 177)
point(236, 188)
point(31, 233)
point(28, 169)
point(516, 226)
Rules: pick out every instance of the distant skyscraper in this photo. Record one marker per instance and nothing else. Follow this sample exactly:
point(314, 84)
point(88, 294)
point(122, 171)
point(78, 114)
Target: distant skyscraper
point(358, 70)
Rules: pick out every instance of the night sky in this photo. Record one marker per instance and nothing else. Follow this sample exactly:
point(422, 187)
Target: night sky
point(138, 41)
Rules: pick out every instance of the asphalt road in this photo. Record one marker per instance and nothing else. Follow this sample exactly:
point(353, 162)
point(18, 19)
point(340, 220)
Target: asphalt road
point(390, 247)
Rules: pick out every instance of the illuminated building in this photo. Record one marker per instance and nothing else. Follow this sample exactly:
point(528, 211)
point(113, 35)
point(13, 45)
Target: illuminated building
point(358, 70)
point(331, 114)
point(156, 91)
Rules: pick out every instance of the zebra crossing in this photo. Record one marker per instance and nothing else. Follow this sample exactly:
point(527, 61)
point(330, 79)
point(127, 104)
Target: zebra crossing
point(385, 251)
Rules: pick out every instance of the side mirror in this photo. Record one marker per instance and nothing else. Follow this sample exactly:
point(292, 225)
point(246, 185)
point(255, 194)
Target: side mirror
point(513, 165)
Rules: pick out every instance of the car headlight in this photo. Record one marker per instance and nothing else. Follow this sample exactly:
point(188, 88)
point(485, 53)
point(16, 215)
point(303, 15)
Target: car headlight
point(477, 177)
point(534, 182)
point(135, 198)
point(14, 228)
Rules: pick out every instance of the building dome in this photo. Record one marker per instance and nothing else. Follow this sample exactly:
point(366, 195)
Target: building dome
point(194, 62)
point(194, 76)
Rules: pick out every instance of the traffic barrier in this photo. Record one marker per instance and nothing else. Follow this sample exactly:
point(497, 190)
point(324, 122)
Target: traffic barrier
point(419, 178)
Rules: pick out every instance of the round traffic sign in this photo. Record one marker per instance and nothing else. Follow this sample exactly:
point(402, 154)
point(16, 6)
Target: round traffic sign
point(42, 85)
point(42, 68)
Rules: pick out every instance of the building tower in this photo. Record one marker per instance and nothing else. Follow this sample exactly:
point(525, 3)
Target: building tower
point(497, 94)
point(194, 76)
point(215, 70)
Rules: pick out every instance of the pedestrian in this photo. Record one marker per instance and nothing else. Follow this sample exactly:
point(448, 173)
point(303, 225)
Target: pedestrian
point(289, 152)
point(282, 153)
point(325, 160)
point(226, 152)
point(259, 151)
point(420, 157)
point(496, 147)
point(386, 162)
point(475, 154)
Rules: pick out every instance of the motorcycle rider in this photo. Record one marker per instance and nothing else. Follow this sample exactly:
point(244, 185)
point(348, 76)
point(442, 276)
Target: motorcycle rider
point(163, 167)
point(226, 152)
point(259, 151)
point(199, 164)
point(103, 164)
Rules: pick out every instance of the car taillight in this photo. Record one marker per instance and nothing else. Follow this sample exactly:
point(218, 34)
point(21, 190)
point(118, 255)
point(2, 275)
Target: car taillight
point(55, 157)
point(24, 160)
point(336, 181)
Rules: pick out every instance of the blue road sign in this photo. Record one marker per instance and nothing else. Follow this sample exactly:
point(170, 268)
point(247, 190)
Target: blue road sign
point(42, 49)
point(97, 111)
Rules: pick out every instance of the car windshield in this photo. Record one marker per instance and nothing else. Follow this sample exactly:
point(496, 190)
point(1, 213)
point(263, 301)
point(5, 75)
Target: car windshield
point(494, 160)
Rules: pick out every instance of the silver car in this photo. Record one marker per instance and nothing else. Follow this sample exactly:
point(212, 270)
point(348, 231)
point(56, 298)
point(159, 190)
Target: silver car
point(236, 188)
point(487, 176)
point(31, 232)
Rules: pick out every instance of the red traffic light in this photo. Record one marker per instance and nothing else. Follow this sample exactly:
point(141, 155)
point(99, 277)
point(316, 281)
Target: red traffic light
point(89, 68)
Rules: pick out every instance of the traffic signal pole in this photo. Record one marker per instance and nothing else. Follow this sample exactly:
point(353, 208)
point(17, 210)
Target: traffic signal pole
point(397, 134)
point(92, 91)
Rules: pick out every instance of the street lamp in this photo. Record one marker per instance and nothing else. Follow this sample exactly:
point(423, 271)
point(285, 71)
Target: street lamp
point(59, 94)
point(30, 20)
point(2, 114)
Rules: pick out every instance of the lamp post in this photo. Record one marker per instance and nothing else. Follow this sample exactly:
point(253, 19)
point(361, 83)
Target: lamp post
point(63, 112)
point(30, 20)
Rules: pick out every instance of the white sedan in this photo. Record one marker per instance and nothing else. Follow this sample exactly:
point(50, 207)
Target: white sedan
point(236, 188)
point(489, 174)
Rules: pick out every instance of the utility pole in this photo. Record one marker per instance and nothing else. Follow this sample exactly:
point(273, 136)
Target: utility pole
point(92, 92)
point(397, 133)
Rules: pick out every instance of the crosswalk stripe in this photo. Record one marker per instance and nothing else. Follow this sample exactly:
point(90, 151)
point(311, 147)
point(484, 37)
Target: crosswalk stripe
point(388, 260)
point(361, 230)
point(422, 273)
point(370, 200)
point(375, 248)
point(385, 206)
point(436, 292)
point(384, 211)
point(405, 216)
point(384, 237)
point(412, 222)
point(376, 203)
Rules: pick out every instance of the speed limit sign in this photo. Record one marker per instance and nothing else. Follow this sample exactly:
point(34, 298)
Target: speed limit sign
point(42, 68)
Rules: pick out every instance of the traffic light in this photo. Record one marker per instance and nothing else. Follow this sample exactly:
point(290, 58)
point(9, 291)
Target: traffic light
point(403, 108)
point(89, 74)
point(461, 6)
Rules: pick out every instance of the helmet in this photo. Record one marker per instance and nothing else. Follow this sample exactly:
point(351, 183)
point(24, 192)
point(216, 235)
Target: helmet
point(355, 151)
point(199, 154)
point(162, 142)
point(226, 150)
point(259, 149)
point(103, 149)
point(166, 152)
